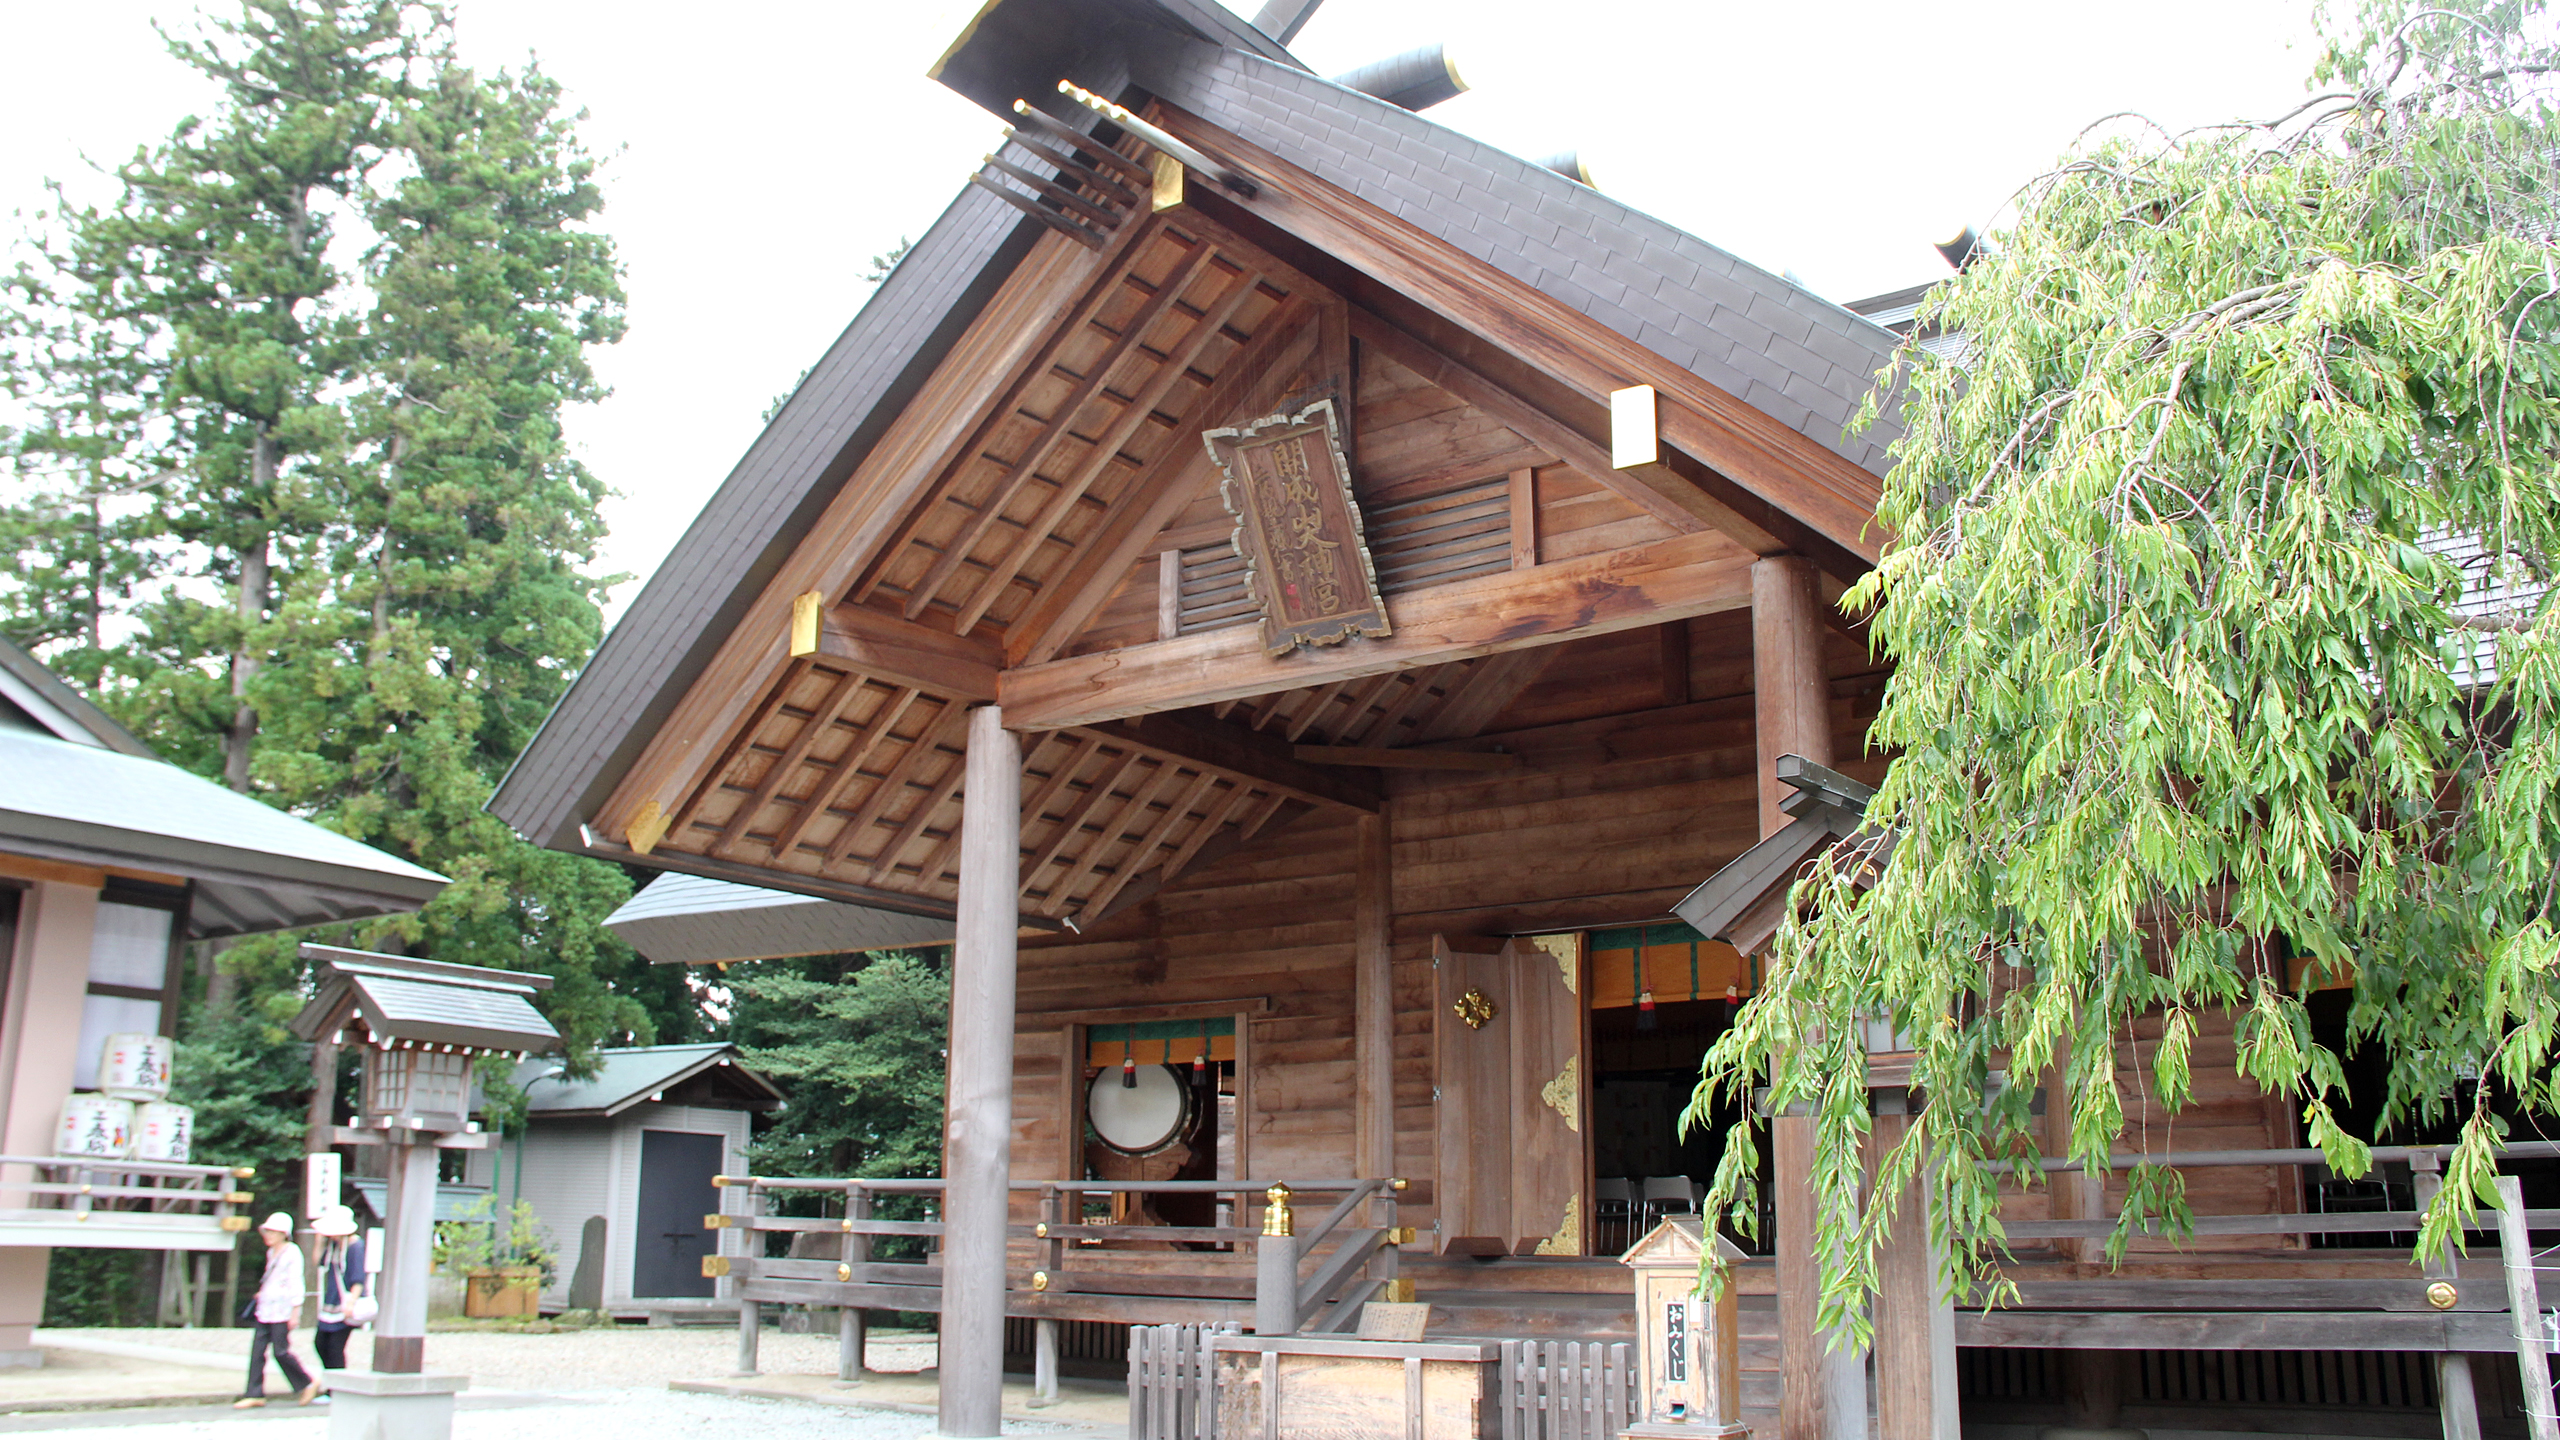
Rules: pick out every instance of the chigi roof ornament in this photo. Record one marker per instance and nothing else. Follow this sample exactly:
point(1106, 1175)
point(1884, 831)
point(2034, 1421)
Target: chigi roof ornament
point(1215, 169)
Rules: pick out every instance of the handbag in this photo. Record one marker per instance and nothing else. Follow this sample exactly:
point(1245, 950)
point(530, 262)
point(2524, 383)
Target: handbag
point(360, 1310)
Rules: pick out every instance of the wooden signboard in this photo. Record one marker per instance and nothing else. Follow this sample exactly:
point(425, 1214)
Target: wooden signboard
point(1298, 529)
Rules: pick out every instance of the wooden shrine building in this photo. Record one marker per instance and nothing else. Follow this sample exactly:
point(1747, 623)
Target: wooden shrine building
point(1304, 593)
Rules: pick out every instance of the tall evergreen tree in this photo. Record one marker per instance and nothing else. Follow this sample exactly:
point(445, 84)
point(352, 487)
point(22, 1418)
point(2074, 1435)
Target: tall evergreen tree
point(309, 366)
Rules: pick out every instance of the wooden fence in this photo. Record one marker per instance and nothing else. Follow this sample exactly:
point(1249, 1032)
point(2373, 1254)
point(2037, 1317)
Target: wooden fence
point(1172, 1381)
point(1566, 1390)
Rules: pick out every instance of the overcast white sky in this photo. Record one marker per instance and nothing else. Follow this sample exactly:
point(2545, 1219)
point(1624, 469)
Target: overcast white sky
point(762, 154)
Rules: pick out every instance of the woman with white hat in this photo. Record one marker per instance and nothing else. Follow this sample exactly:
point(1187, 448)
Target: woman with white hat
point(271, 1311)
point(344, 1305)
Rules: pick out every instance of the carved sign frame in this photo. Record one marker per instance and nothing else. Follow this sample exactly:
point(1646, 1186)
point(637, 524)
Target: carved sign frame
point(1298, 528)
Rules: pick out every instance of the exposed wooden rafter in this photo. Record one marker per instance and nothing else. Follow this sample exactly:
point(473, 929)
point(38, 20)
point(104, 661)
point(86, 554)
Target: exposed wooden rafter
point(1155, 497)
point(1240, 752)
point(1062, 416)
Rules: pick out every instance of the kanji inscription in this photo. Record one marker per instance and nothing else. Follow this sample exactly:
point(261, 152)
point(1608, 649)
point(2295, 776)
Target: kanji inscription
point(1298, 528)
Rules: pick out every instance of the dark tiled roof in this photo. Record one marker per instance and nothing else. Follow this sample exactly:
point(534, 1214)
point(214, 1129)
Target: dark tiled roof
point(1775, 345)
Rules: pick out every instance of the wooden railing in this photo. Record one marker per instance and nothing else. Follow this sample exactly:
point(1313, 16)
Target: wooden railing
point(1351, 1263)
point(146, 1204)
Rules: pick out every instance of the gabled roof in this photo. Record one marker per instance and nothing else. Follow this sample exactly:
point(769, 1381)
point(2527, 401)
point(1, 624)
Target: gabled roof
point(425, 1002)
point(1796, 364)
point(693, 920)
point(634, 1074)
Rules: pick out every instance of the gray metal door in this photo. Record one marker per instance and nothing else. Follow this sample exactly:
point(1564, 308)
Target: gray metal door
point(668, 1242)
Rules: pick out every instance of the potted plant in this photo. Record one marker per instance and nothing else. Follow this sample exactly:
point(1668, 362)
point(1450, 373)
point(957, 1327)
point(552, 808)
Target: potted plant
point(503, 1272)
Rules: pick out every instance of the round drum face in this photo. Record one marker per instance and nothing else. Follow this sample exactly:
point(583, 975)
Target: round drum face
point(1139, 1121)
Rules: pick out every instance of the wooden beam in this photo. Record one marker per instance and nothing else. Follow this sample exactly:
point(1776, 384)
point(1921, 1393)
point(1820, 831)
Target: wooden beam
point(1085, 807)
point(1140, 1014)
point(1672, 649)
point(1132, 811)
point(1597, 594)
point(1266, 761)
point(844, 772)
point(1765, 457)
point(1791, 706)
point(1168, 593)
point(1146, 845)
point(903, 652)
point(927, 741)
point(1791, 710)
point(777, 774)
point(884, 486)
point(1386, 759)
point(1524, 519)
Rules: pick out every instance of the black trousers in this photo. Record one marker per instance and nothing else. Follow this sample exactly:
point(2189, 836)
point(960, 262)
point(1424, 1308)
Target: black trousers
point(331, 1342)
point(276, 1333)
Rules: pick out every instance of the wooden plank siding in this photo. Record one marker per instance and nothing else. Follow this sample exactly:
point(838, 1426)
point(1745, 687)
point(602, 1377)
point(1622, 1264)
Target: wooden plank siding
point(1624, 811)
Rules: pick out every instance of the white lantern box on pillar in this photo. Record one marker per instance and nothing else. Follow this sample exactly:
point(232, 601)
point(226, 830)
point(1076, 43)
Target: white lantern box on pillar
point(1688, 1345)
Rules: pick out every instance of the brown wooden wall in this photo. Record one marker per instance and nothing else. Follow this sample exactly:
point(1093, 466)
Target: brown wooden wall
point(1614, 816)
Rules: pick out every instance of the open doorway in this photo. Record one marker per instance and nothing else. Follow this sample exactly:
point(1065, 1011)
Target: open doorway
point(1158, 1102)
point(1660, 995)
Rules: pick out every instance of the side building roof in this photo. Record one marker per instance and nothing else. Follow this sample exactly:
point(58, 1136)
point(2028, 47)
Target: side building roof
point(694, 920)
point(633, 1074)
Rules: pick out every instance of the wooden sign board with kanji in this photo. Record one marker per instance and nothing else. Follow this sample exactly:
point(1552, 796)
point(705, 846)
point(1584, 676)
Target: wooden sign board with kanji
point(1298, 528)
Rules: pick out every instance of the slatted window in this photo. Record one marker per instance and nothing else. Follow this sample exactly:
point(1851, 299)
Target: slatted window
point(1413, 543)
point(1443, 537)
point(1213, 593)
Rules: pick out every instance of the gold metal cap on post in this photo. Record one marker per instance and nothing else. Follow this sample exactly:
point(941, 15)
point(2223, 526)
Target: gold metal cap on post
point(1039, 1279)
point(1276, 1220)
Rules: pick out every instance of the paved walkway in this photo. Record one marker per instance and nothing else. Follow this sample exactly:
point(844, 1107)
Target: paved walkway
point(609, 1383)
point(617, 1414)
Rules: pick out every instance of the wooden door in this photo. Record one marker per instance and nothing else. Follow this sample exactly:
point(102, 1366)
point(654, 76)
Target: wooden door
point(1549, 1096)
point(1507, 1020)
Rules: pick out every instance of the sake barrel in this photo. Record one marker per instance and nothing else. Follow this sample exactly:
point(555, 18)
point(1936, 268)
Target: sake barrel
point(136, 1067)
point(95, 1127)
point(163, 1130)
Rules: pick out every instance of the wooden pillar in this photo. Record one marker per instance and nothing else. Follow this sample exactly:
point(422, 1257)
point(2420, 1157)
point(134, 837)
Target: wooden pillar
point(1915, 1321)
point(400, 1328)
point(1791, 700)
point(978, 1123)
point(1791, 715)
point(1373, 1003)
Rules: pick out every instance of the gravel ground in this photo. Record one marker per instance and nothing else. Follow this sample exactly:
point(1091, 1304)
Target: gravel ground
point(607, 1356)
point(605, 1414)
